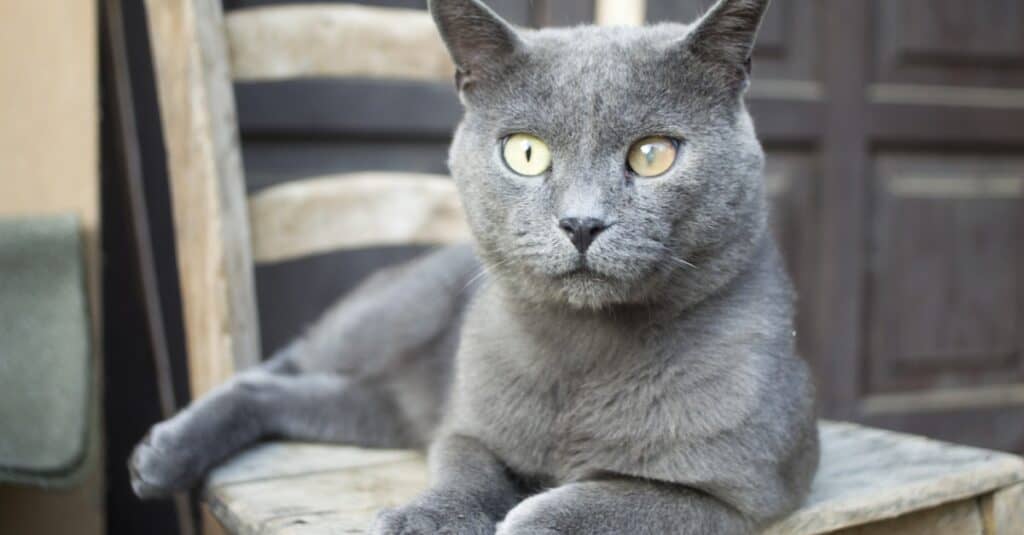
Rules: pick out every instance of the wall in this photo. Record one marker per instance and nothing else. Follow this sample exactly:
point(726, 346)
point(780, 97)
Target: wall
point(49, 163)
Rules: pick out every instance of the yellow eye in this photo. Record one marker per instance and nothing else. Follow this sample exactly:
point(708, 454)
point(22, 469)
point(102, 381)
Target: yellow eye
point(526, 154)
point(652, 156)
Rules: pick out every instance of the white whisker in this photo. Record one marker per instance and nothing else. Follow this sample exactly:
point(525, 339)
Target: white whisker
point(683, 262)
point(484, 270)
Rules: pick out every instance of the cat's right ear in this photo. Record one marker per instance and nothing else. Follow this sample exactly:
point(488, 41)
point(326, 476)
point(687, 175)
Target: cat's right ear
point(725, 35)
point(480, 42)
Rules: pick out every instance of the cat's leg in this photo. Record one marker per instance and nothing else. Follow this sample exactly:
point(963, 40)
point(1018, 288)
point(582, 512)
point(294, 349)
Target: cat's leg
point(472, 490)
point(612, 507)
point(255, 405)
point(398, 327)
point(392, 314)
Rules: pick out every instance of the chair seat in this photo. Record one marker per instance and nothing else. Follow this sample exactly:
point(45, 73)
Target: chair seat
point(870, 482)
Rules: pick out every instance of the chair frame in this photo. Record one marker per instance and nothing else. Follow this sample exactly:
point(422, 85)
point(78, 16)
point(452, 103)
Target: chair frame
point(207, 188)
point(198, 51)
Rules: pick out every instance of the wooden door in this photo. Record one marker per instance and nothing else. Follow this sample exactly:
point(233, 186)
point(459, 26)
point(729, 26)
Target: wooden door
point(941, 344)
point(895, 135)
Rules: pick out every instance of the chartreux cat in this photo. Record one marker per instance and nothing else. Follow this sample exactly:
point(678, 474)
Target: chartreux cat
point(613, 355)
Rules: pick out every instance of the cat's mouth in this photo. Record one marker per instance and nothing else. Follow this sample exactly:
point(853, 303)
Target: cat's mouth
point(586, 287)
point(584, 272)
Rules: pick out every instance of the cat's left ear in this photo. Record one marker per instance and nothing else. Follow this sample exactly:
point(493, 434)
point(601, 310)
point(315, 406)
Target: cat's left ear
point(480, 42)
point(726, 33)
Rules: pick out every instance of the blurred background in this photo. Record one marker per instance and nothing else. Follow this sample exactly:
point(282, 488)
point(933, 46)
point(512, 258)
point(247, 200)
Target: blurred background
point(895, 135)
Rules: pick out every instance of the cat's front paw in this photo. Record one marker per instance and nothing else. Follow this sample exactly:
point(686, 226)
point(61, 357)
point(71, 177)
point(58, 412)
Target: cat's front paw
point(541, 514)
point(427, 520)
point(160, 465)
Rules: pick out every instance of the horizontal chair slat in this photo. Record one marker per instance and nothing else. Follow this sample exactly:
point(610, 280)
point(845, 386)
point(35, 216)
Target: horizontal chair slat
point(320, 40)
point(354, 211)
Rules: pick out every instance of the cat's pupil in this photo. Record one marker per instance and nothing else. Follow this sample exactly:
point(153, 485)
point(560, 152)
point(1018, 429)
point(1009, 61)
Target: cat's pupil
point(529, 152)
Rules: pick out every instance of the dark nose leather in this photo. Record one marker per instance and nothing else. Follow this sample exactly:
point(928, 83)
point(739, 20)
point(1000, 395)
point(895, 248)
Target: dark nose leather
point(582, 231)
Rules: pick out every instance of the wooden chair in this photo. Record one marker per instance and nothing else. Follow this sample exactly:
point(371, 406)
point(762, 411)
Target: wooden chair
point(870, 482)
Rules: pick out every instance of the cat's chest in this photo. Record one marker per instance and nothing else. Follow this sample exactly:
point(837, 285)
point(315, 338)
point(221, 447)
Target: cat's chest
point(552, 422)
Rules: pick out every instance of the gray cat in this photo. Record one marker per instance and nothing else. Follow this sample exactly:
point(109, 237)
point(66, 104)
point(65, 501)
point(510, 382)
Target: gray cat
point(626, 363)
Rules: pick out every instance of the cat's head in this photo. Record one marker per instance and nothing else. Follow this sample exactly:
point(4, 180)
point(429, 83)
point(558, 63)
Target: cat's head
point(608, 165)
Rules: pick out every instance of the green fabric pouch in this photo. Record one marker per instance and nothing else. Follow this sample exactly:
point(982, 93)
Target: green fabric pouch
point(46, 374)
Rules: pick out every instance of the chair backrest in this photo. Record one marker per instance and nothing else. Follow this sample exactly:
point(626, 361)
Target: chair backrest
point(218, 231)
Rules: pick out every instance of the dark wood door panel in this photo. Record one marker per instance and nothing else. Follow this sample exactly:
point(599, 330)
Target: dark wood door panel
point(786, 48)
point(941, 322)
point(950, 42)
point(945, 291)
point(791, 179)
point(995, 426)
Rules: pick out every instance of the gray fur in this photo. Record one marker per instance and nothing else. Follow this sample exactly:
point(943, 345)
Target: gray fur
point(648, 386)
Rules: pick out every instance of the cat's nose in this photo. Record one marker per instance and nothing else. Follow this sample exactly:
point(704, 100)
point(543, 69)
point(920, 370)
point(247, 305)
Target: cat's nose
point(582, 231)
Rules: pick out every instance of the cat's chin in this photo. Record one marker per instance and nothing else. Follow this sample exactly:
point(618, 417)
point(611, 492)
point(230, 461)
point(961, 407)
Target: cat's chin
point(588, 289)
point(571, 283)
point(578, 289)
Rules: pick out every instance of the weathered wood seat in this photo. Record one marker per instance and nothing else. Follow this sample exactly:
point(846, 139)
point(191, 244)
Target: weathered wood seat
point(870, 482)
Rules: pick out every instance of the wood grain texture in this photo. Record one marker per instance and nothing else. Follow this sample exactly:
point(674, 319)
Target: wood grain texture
point(320, 40)
point(835, 331)
point(1003, 511)
point(940, 223)
point(867, 477)
point(959, 518)
point(354, 211)
point(329, 501)
point(950, 42)
point(207, 189)
point(280, 460)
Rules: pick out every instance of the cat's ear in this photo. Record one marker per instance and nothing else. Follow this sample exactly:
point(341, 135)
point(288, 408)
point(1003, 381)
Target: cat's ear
point(726, 33)
point(481, 43)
